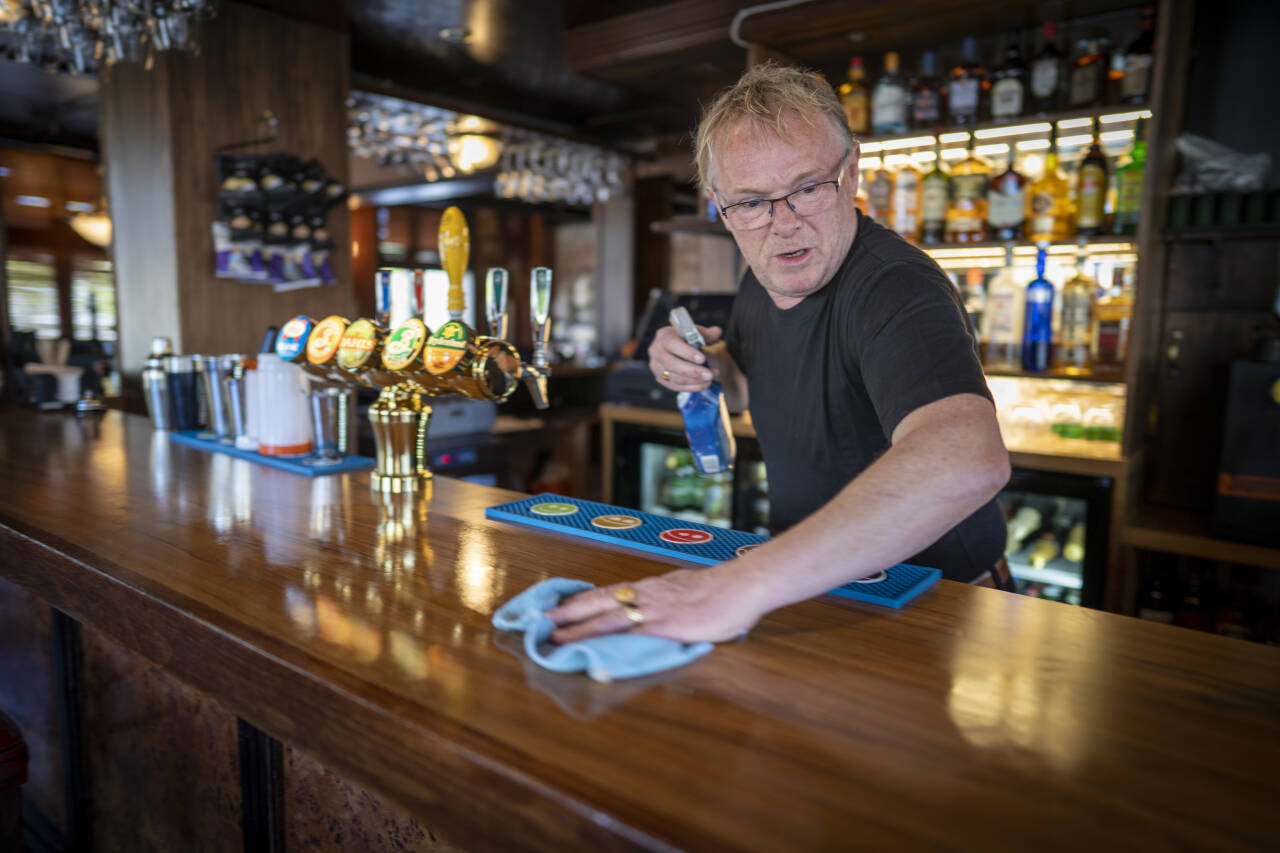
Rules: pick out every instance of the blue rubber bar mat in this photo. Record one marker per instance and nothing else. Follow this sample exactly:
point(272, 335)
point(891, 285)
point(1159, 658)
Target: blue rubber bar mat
point(209, 442)
point(687, 540)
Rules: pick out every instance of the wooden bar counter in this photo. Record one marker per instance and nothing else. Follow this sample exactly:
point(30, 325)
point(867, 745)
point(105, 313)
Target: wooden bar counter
point(357, 632)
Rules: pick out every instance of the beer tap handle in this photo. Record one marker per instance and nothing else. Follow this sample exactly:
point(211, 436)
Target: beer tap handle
point(540, 313)
point(455, 250)
point(495, 301)
point(535, 374)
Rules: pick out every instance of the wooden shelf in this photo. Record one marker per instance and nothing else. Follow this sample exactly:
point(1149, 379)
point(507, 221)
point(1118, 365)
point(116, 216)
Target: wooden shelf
point(691, 225)
point(1185, 532)
point(1056, 247)
point(1222, 232)
point(1091, 378)
point(1062, 463)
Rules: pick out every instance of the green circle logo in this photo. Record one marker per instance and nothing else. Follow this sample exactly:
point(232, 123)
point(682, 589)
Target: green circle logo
point(553, 508)
point(403, 344)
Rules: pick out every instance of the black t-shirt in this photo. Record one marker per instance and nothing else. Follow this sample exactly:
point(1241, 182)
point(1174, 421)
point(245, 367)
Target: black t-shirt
point(831, 378)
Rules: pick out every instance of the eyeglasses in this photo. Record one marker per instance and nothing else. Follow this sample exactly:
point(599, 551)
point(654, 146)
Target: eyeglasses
point(806, 201)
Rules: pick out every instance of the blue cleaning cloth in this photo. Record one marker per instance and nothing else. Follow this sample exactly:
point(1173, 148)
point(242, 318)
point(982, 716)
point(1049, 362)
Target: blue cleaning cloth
point(606, 658)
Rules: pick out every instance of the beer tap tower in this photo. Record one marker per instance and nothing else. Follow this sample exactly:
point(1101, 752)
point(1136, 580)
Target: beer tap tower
point(417, 364)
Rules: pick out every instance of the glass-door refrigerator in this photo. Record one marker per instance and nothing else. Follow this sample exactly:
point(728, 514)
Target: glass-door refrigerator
point(1058, 524)
point(653, 471)
point(1057, 530)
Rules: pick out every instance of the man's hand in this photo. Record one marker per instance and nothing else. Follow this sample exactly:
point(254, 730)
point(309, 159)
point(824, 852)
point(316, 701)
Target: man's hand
point(688, 605)
point(678, 366)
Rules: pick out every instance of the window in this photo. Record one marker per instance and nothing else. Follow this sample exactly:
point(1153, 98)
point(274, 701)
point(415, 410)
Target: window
point(33, 294)
point(93, 301)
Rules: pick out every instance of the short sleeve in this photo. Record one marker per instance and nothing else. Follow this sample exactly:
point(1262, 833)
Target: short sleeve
point(912, 342)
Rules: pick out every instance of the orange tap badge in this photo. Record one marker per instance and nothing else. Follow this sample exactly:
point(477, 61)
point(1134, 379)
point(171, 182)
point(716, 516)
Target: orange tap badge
point(325, 339)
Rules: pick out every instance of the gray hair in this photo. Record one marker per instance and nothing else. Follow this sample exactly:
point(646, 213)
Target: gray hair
point(762, 95)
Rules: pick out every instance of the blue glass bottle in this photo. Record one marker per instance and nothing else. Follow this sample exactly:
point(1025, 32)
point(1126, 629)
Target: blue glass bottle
point(1037, 329)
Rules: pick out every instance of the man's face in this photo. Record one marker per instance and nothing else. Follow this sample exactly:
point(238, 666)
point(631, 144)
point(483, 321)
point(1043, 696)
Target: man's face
point(792, 256)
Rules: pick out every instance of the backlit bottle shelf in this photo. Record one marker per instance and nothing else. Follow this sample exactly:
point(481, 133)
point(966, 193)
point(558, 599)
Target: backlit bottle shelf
point(1059, 572)
point(1027, 133)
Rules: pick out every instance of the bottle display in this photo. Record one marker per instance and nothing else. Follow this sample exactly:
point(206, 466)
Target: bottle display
point(1009, 85)
point(1046, 72)
point(1075, 326)
point(880, 195)
point(967, 199)
point(934, 195)
point(855, 98)
point(1091, 191)
point(1109, 343)
point(1051, 212)
point(974, 298)
point(1007, 204)
point(1129, 179)
point(1088, 74)
point(926, 94)
point(967, 85)
point(1002, 320)
point(904, 209)
point(889, 99)
point(1037, 324)
point(1138, 61)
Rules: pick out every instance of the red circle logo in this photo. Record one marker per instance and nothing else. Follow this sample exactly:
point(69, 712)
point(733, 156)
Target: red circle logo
point(685, 536)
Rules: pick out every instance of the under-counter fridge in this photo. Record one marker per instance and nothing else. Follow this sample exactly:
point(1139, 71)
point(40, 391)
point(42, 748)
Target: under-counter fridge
point(1058, 524)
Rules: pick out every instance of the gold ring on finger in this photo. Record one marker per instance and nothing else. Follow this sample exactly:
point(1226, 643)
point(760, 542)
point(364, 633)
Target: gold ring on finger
point(625, 595)
point(666, 374)
point(634, 613)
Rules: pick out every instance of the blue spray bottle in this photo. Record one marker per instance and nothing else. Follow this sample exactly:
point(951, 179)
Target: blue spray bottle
point(706, 417)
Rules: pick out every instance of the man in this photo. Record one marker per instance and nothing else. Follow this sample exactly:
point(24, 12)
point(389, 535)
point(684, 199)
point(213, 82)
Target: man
point(877, 427)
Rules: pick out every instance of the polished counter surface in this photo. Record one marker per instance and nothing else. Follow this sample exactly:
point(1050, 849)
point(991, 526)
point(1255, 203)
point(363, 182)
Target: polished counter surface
point(357, 629)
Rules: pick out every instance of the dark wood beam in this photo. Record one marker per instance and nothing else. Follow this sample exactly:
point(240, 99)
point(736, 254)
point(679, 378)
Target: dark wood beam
point(649, 33)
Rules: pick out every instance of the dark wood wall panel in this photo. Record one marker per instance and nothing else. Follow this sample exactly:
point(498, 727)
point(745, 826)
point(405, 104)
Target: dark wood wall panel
point(28, 695)
point(252, 61)
point(160, 130)
point(162, 757)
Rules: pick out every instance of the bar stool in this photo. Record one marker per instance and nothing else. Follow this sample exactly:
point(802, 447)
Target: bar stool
point(13, 775)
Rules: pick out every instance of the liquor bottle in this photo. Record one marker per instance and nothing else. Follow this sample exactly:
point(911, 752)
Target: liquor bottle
point(1115, 76)
point(1072, 353)
point(1193, 610)
point(974, 298)
point(1009, 84)
point(1007, 204)
point(926, 94)
point(1091, 191)
point(1037, 323)
point(880, 195)
point(967, 85)
point(1129, 178)
point(934, 188)
point(904, 208)
point(889, 99)
point(1138, 60)
point(967, 199)
point(854, 98)
point(1088, 74)
point(1157, 603)
point(1051, 213)
point(1109, 344)
point(1043, 550)
point(1002, 319)
point(1073, 550)
point(1024, 522)
point(1046, 72)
